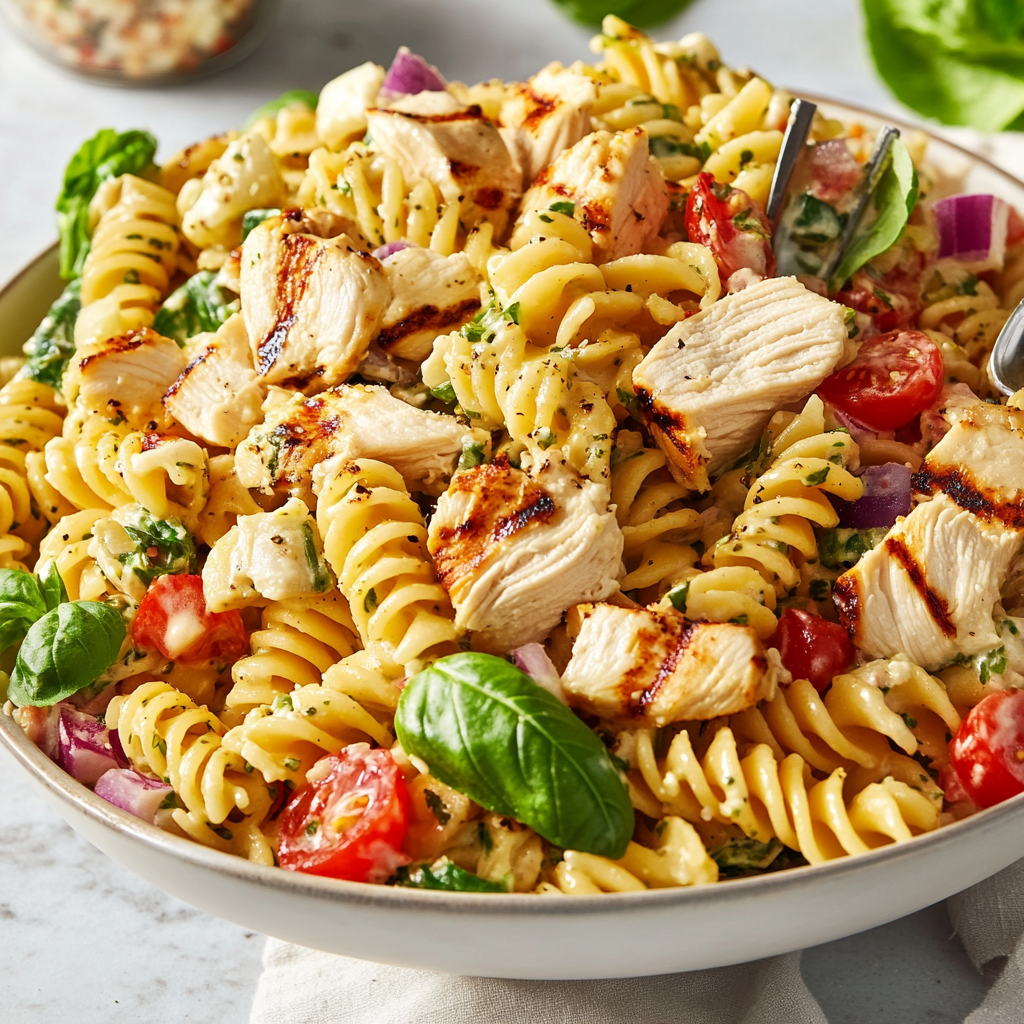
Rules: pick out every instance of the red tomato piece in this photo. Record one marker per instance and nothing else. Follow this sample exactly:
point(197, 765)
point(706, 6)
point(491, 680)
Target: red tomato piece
point(172, 619)
point(731, 225)
point(895, 377)
point(811, 647)
point(891, 304)
point(350, 821)
point(834, 171)
point(987, 752)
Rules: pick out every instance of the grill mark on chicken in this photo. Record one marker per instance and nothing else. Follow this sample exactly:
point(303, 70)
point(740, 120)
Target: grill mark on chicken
point(488, 198)
point(198, 361)
point(673, 426)
point(937, 606)
point(428, 318)
point(306, 429)
point(682, 635)
point(471, 113)
point(462, 170)
point(119, 345)
point(298, 260)
point(959, 485)
point(846, 597)
point(539, 510)
point(542, 106)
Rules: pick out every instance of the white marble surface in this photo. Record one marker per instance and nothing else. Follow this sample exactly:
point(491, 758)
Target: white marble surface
point(82, 939)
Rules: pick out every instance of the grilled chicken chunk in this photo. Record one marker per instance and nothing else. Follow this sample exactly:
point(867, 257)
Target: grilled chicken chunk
point(709, 387)
point(341, 111)
point(660, 667)
point(245, 177)
point(271, 556)
point(546, 115)
point(355, 422)
point(311, 305)
point(126, 375)
point(516, 548)
point(218, 396)
point(617, 188)
point(459, 151)
point(431, 295)
point(931, 588)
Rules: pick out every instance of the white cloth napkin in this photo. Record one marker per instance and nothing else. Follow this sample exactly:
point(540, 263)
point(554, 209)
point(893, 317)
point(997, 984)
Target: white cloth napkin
point(303, 986)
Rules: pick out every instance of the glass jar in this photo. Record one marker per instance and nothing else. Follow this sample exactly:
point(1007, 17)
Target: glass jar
point(136, 42)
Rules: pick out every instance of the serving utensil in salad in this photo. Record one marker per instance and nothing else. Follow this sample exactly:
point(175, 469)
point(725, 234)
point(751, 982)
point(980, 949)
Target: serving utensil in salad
point(1006, 366)
point(801, 114)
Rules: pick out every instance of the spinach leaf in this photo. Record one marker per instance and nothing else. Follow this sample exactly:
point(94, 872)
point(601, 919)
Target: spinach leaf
point(48, 351)
point(641, 13)
point(64, 651)
point(21, 604)
point(488, 730)
point(107, 154)
point(961, 63)
point(200, 304)
point(253, 217)
point(444, 875)
point(287, 99)
point(842, 548)
point(163, 547)
point(893, 199)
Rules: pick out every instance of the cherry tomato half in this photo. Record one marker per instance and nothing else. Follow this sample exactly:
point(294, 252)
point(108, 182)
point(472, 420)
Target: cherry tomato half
point(172, 619)
point(811, 647)
point(350, 822)
point(987, 752)
point(891, 303)
point(731, 225)
point(895, 377)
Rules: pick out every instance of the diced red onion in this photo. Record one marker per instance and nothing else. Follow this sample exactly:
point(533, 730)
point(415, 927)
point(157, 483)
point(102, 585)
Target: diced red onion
point(834, 171)
point(886, 496)
point(389, 249)
point(972, 230)
point(84, 750)
point(534, 661)
point(132, 792)
point(409, 75)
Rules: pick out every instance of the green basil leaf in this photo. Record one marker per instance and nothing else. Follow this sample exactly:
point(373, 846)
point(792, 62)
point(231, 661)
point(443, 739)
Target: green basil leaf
point(446, 876)
point(642, 13)
point(200, 304)
point(287, 99)
point(251, 218)
point(163, 547)
point(893, 199)
point(49, 350)
point(107, 154)
point(64, 651)
point(488, 730)
point(21, 604)
point(52, 587)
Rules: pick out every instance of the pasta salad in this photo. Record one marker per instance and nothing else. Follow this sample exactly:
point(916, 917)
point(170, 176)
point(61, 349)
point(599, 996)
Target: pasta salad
point(471, 487)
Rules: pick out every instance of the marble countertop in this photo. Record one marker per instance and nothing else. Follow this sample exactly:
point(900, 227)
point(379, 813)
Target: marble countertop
point(80, 937)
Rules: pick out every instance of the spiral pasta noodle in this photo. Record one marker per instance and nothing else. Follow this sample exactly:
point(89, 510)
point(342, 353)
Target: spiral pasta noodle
point(375, 541)
point(164, 732)
point(67, 545)
point(776, 523)
point(131, 261)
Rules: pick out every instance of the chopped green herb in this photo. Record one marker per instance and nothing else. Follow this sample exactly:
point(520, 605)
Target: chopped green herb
point(437, 807)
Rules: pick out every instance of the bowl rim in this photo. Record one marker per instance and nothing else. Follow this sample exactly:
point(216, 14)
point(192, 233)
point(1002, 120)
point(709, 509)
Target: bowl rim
point(66, 789)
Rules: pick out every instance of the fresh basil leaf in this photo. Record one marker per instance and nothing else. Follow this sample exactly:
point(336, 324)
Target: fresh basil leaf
point(48, 351)
point(291, 98)
point(200, 304)
point(64, 651)
point(21, 604)
point(446, 876)
point(107, 154)
point(488, 730)
point(893, 199)
point(163, 547)
point(961, 63)
point(52, 587)
point(642, 13)
point(251, 218)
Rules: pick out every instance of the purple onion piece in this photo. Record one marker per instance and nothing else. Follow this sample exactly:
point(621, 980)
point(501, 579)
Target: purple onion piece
point(410, 74)
point(389, 249)
point(132, 792)
point(972, 230)
point(84, 750)
point(534, 661)
point(887, 492)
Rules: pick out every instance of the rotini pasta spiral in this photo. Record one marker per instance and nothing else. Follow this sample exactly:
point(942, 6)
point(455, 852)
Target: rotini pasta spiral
point(164, 732)
point(67, 545)
point(131, 261)
point(227, 501)
point(298, 640)
point(375, 541)
point(775, 527)
point(770, 799)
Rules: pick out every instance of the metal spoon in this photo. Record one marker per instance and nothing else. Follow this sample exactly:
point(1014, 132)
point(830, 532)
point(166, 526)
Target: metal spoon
point(1006, 366)
point(801, 114)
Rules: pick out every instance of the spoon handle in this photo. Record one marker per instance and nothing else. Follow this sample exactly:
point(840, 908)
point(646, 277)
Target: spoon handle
point(801, 113)
point(1006, 366)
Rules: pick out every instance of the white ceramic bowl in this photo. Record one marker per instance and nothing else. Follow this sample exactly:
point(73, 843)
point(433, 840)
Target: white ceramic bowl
point(517, 936)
